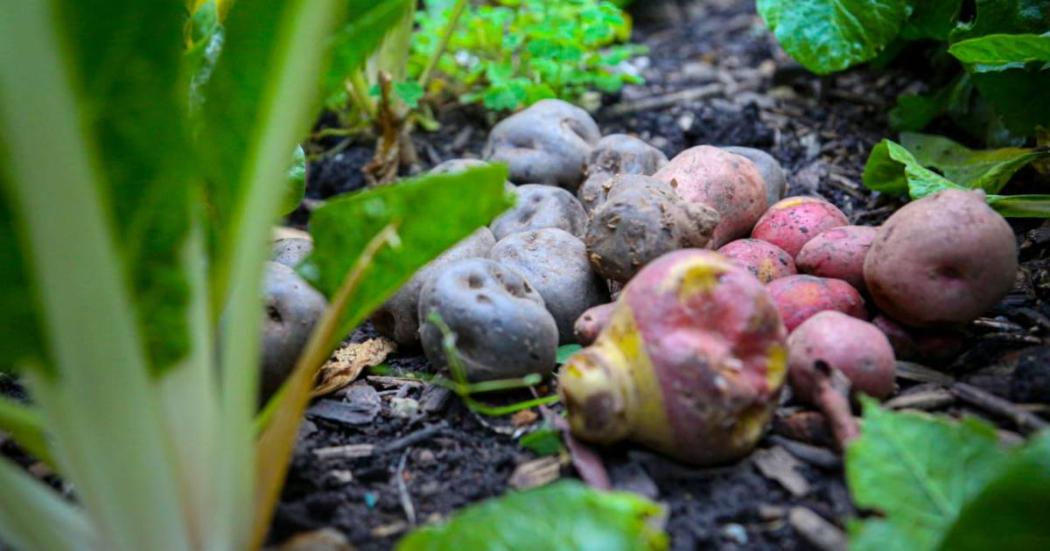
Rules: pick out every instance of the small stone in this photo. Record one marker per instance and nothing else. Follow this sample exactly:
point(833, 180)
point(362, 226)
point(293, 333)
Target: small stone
point(404, 407)
point(425, 457)
point(341, 476)
point(735, 533)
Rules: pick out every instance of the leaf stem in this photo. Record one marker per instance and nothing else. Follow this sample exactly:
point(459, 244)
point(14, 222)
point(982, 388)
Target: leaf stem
point(446, 37)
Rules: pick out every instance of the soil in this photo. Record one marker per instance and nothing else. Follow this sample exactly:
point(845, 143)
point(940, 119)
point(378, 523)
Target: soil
point(714, 76)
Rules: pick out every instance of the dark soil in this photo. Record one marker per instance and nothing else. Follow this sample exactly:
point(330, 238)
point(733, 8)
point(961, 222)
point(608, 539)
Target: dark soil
point(714, 76)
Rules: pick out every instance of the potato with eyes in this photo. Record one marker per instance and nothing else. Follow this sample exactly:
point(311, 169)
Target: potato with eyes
point(539, 207)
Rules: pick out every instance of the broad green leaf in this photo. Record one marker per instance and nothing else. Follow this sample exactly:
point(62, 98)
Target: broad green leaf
point(542, 441)
point(931, 19)
point(831, 35)
point(1005, 16)
point(409, 92)
point(894, 170)
point(1003, 49)
point(989, 170)
point(564, 515)
point(918, 471)
point(130, 75)
point(1021, 206)
point(913, 112)
point(1010, 512)
point(1018, 96)
point(20, 334)
point(296, 182)
point(431, 213)
point(566, 350)
point(366, 24)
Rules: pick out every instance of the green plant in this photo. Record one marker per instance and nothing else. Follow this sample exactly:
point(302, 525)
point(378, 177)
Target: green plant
point(508, 54)
point(141, 187)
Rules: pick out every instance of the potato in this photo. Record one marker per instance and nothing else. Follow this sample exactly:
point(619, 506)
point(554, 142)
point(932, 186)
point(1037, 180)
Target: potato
point(942, 260)
point(590, 324)
point(929, 345)
point(832, 354)
point(772, 173)
point(726, 182)
point(792, 222)
point(838, 253)
point(764, 260)
point(547, 143)
point(502, 327)
point(291, 251)
point(800, 297)
point(642, 219)
point(555, 263)
point(691, 363)
point(541, 207)
point(616, 154)
point(398, 318)
point(292, 309)
point(453, 166)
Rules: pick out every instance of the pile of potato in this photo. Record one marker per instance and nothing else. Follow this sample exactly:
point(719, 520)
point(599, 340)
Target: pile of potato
point(691, 357)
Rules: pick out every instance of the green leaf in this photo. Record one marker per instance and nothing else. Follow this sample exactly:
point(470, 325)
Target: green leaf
point(1003, 49)
point(296, 182)
point(367, 23)
point(1021, 206)
point(989, 170)
point(1010, 512)
point(913, 112)
point(894, 170)
point(1005, 16)
point(342, 227)
point(566, 350)
point(831, 35)
point(918, 471)
point(542, 441)
point(409, 92)
point(564, 515)
point(20, 334)
point(1018, 96)
point(931, 19)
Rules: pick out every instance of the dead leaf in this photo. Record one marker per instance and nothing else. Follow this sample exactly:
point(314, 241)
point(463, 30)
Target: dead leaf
point(535, 473)
point(347, 363)
point(779, 465)
point(523, 418)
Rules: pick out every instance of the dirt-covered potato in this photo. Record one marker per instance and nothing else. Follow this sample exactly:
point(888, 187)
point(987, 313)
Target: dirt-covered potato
point(641, 219)
point(501, 325)
point(616, 154)
point(291, 251)
point(547, 143)
point(292, 308)
point(726, 182)
point(691, 363)
point(941, 260)
point(770, 169)
point(555, 263)
point(398, 319)
point(764, 260)
point(800, 297)
point(832, 345)
point(590, 324)
point(792, 222)
point(541, 207)
point(838, 253)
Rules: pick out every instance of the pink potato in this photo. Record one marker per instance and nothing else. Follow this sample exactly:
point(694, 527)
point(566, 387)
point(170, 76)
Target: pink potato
point(792, 222)
point(942, 260)
point(764, 260)
point(800, 297)
point(728, 183)
point(832, 355)
point(838, 253)
point(591, 322)
point(691, 362)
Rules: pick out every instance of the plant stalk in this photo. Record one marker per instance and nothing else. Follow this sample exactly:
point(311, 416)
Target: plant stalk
point(446, 37)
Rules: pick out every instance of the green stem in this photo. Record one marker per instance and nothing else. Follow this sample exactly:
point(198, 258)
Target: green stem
point(359, 87)
point(509, 409)
point(446, 36)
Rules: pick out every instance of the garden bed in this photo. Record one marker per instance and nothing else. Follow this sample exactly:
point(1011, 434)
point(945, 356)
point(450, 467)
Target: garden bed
point(714, 76)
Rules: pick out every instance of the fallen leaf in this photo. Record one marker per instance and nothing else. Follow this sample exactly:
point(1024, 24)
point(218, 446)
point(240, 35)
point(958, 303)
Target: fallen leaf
point(536, 473)
point(347, 363)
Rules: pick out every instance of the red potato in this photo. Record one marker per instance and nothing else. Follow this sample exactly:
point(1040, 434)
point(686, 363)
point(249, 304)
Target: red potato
point(728, 183)
point(928, 345)
point(800, 297)
point(792, 222)
point(590, 324)
point(764, 260)
point(838, 253)
point(899, 337)
point(941, 260)
point(832, 355)
point(691, 363)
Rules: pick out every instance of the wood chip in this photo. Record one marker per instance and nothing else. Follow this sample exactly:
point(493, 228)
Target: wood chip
point(777, 464)
point(388, 530)
point(349, 451)
point(920, 373)
point(1026, 421)
point(524, 418)
point(347, 363)
point(818, 532)
point(926, 400)
point(535, 473)
point(325, 539)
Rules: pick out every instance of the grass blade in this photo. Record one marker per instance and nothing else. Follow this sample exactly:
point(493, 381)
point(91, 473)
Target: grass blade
point(26, 427)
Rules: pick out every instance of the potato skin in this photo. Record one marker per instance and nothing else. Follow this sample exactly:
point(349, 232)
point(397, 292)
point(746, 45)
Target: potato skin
point(291, 251)
point(502, 327)
point(691, 363)
point(792, 222)
point(800, 297)
point(764, 260)
point(855, 347)
point(547, 143)
point(641, 219)
point(838, 253)
point(770, 169)
point(555, 263)
point(590, 323)
point(292, 309)
point(539, 207)
point(398, 318)
point(941, 260)
point(616, 154)
point(726, 182)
